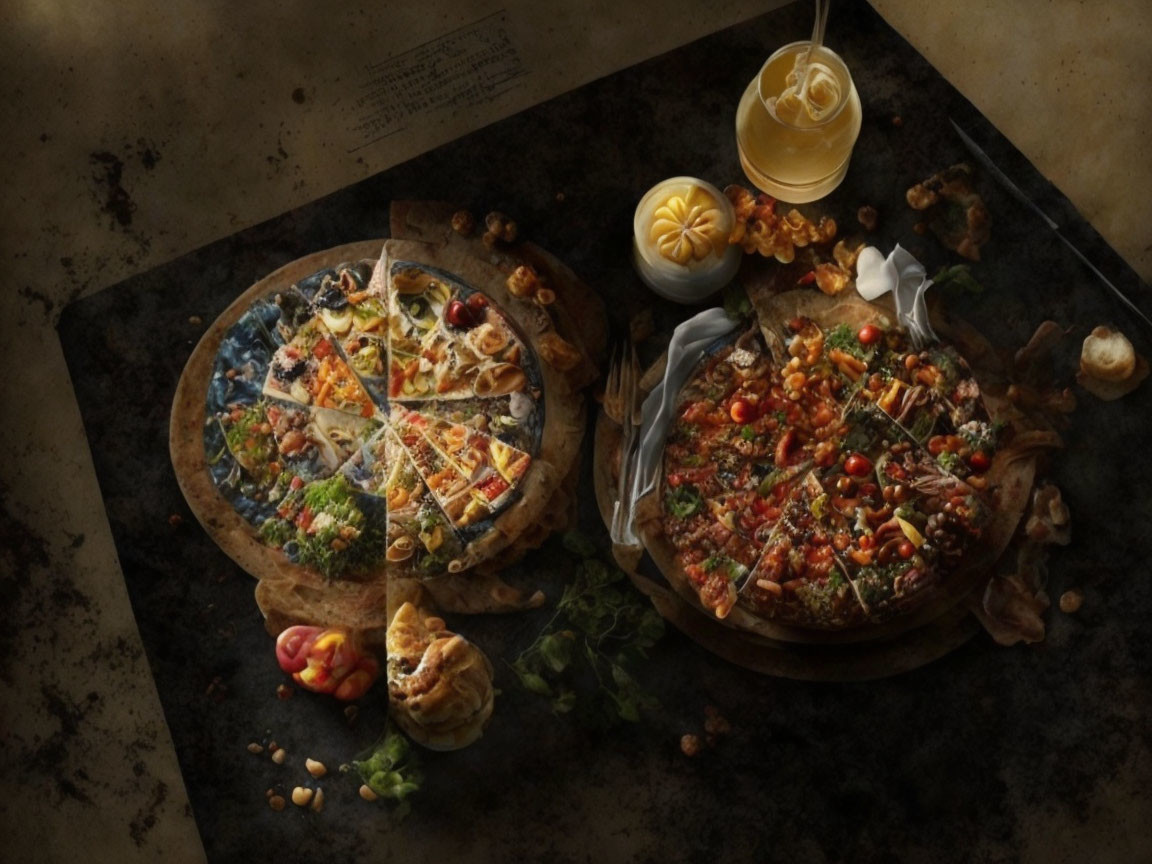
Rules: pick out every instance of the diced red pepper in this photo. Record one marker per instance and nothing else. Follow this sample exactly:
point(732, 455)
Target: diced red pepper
point(322, 349)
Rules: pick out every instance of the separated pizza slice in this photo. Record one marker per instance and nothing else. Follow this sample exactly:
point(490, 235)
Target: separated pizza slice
point(516, 419)
point(360, 327)
point(310, 370)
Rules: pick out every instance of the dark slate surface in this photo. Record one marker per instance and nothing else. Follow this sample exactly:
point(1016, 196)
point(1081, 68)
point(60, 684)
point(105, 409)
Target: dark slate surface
point(984, 755)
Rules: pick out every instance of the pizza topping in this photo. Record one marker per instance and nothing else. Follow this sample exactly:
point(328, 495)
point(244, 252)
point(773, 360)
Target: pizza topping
point(459, 315)
point(857, 465)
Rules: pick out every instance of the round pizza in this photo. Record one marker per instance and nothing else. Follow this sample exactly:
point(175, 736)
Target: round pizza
point(375, 439)
point(823, 474)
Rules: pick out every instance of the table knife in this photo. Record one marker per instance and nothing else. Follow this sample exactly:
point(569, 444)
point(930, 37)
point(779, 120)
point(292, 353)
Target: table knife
point(985, 160)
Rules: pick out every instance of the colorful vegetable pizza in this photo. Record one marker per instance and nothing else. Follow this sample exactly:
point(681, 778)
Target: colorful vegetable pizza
point(823, 474)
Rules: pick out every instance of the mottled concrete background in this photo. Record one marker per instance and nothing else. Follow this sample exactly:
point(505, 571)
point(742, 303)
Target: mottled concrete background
point(134, 135)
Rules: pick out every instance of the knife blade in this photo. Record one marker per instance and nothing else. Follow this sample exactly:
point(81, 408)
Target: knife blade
point(1016, 192)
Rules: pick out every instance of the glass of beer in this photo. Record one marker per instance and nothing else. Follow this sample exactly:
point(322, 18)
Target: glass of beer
point(797, 123)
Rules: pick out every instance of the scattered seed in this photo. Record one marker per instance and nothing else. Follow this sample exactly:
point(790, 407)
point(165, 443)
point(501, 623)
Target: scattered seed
point(868, 217)
point(255, 748)
point(301, 795)
point(560, 197)
point(367, 794)
point(195, 319)
point(278, 756)
point(897, 120)
point(276, 802)
point(689, 745)
point(316, 769)
point(318, 800)
point(284, 692)
point(1071, 601)
point(175, 520)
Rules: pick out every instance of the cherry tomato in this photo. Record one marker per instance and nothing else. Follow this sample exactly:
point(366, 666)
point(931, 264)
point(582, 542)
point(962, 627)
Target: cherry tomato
point(980, 461)
point(740, 411)
point(857, 465)
point(869, 334)
point(477, 302)
point(457, 315)
point(906, 549)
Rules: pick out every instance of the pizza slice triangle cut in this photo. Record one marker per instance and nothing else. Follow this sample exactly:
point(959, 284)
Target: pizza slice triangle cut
point(446, 340)
point(798, 578)
point(473, 474)
point(310, 370)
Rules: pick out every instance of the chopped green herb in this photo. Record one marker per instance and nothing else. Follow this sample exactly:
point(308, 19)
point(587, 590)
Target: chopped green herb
point(391, 768)
point(683, 501)
point(748, 433)
point(736, 302)
point(948, 461)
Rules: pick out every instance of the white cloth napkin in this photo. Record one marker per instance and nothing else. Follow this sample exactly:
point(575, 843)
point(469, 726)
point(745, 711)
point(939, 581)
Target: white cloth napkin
point(689, 341)
point(906, 277)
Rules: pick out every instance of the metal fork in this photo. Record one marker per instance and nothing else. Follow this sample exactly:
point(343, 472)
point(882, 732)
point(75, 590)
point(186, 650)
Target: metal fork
point(621, 403)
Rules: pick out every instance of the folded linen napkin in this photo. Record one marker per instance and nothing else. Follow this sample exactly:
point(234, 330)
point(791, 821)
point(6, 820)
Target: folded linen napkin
point(906, 278)
point(688, 344)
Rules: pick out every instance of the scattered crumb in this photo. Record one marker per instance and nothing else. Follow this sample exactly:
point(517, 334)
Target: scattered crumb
point(277, 802)
point(315, 768)
point(920, 228)
point(366, 793)
point(195, 319)
point(301, 796)
point(175, 520)
point(284, 692)
point(868, 216)
point(1071, 601)
point(255, 748)
point(689, 744)
point(897, 120)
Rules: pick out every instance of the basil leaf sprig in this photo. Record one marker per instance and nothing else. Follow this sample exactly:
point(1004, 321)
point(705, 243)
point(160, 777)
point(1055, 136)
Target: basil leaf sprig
point(391, 768)
point(601, 627)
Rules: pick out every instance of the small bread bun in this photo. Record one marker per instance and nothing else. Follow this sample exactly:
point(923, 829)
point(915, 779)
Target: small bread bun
point(1107, 355)
point(1109, 390)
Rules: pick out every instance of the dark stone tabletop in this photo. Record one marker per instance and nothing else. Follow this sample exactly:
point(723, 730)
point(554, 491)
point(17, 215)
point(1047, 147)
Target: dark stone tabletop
point(988, 754)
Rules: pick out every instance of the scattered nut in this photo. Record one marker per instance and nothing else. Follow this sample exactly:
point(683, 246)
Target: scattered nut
point(367, 794)
point(316, 769)
point(318, 800)
point(1071, 601)
point(284, 692)
point(195, 319)
point(524, 281)
point(279, 755)
point(560, 197)
point(500, 226)
point(489, 239)
point(715, 723)
point(558, 353)
point(277, 802)
point(301, 795)
point(920, 228)
point(689, 745)
point(868, 216)
point(175, 520)
point(463, 222)
point(255, 748)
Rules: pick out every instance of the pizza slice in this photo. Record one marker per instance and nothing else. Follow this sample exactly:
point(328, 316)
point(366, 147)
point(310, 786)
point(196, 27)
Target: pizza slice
point(492, 467)
point(314, 442)
point(798, 578)
point(361, 328)
point(515, 418)
point(309, 370)
point(421, 540)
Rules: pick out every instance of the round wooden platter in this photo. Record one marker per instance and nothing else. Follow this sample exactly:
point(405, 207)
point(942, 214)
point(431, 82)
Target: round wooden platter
point(809, 661)
point(186, 428)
